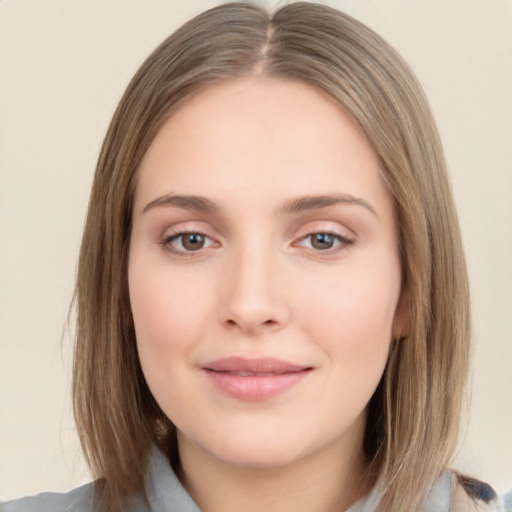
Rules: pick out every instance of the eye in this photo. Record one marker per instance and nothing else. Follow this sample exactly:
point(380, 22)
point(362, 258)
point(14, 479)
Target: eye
point(181, 243)
point(324, 241)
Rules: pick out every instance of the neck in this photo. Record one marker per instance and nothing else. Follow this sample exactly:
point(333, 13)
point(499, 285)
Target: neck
point(323, 482)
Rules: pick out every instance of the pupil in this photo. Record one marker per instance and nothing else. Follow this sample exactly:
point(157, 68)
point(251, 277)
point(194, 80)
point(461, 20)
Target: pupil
point(193, 242)
point(322, 241)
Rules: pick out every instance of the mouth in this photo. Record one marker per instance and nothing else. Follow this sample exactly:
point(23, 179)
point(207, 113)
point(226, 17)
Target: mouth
point(254, 379)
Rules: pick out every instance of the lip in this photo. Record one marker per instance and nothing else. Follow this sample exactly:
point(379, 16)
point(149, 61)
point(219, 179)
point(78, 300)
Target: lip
point(254, 379)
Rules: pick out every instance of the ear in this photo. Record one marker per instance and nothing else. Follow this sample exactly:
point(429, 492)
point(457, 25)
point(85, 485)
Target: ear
point(402, 322)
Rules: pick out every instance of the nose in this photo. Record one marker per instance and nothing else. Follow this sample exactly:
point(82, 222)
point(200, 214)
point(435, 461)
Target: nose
point(252, 294)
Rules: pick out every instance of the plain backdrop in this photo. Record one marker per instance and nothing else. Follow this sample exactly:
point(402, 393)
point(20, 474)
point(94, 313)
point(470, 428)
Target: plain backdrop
point(63, 67)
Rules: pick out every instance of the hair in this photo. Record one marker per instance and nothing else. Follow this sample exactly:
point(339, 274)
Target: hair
point(413, 419)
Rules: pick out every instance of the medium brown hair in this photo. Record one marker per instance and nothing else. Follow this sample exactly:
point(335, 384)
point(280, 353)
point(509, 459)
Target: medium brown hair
point(413, 418)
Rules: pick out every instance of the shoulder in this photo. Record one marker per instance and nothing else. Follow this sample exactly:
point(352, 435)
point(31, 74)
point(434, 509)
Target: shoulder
point(77, 500)
point(454, 492)
point(82, 499)
point(507, 500)
point(471, 495)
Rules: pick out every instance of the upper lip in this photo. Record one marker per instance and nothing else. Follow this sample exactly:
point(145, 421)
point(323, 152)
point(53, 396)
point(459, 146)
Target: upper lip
point(262, 365)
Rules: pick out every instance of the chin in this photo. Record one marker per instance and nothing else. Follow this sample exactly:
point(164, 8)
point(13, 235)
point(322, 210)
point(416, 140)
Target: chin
point(251, 448)
point(259, 457)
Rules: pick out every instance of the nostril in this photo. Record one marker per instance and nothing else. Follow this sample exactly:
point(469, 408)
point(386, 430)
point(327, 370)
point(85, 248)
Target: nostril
point(269, 322)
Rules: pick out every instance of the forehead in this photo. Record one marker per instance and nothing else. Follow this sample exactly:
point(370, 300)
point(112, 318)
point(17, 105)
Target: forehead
point(260, 135)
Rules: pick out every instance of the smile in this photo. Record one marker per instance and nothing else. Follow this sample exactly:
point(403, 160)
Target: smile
point(254, 379)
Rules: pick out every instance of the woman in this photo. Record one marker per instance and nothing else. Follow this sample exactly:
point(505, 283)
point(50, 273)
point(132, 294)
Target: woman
point(272, 298)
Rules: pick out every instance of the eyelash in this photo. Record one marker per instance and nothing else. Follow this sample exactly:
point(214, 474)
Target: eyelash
point(167, 241)
point(344, 242)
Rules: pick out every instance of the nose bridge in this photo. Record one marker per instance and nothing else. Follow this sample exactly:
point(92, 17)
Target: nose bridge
point(253, 298)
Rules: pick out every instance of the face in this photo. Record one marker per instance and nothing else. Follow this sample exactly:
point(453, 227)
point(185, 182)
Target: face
point(264, 273)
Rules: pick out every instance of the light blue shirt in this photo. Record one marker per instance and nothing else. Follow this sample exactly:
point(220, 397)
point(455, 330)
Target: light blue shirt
point(164, 493)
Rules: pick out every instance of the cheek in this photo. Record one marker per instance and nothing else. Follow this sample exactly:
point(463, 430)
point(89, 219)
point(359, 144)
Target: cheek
point(352, 318)
point(167, 311)
point(168, 316)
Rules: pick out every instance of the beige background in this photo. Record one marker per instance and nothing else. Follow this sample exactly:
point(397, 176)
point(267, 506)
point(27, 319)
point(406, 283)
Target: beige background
point(63, 67)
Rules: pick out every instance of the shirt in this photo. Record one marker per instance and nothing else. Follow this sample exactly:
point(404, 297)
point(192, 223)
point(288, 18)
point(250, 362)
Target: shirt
point(165, 493)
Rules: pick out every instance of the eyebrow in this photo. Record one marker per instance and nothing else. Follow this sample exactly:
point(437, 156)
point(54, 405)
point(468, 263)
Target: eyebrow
point(186, 202)
point(314, 202)
point(296, 205)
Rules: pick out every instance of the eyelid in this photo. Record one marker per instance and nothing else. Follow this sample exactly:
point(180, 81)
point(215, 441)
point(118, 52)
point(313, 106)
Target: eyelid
point(342, 239)
point(180, 230)
point(328, 228)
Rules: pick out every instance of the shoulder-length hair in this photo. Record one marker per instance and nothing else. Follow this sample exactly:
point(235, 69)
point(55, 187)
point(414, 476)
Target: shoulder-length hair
point(414, 416)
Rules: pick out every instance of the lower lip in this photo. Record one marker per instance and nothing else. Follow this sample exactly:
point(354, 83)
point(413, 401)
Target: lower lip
point(254, 388)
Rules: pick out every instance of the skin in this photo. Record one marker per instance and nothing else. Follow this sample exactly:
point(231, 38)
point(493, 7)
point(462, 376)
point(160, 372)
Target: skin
point(257, 284)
